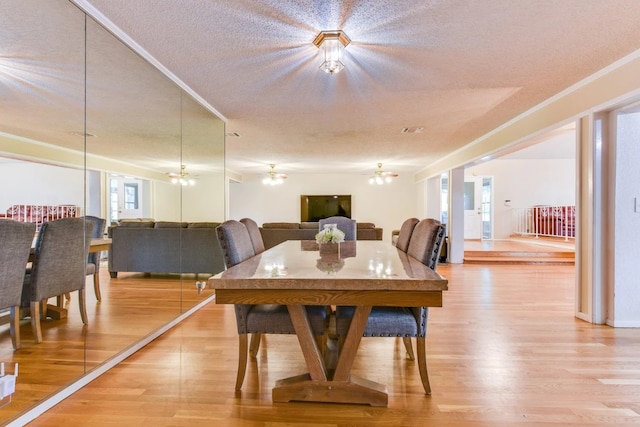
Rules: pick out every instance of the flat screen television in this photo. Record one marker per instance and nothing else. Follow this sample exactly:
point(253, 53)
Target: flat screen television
point(314, 208)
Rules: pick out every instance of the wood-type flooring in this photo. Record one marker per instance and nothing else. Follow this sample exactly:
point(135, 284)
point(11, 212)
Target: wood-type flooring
point(504, 350)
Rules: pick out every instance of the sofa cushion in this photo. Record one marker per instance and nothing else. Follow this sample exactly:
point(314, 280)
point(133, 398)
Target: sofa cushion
point(365, 225)
point(203, 224)
point(280, 225)
point(136, 224)
point(307, 225)
point(170, 224)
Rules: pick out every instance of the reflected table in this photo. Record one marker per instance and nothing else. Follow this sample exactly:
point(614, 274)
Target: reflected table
point(370, 273)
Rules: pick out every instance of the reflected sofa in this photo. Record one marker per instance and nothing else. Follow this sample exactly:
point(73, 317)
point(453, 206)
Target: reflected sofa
point(149, 246)
point(274, 233)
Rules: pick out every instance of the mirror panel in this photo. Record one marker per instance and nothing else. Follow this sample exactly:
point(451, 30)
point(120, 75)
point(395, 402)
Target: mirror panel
point(42, 92)
point(64, 140)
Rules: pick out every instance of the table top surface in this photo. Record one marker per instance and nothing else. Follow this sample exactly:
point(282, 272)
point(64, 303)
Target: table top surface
point(361, 265)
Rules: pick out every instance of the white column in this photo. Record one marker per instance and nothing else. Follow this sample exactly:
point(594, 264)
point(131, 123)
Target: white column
point(456, 215)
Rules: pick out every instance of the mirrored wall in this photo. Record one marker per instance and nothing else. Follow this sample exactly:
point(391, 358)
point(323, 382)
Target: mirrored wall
point(86, 122)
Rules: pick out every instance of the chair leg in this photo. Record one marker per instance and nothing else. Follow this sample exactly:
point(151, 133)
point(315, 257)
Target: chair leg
point(35, 321)
point(255, 345)
point(409, 347)
point(14, 326)
point(83, 306)
point(242, 360)
point(96, 286)
point(421, 343)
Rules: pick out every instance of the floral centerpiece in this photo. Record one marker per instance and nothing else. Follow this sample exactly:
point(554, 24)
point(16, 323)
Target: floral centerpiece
point(329, 239)
point(330, 234)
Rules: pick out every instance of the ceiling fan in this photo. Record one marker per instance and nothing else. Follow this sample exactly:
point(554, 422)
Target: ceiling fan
point(380, 177)
point(181, 177)
point(273, 177)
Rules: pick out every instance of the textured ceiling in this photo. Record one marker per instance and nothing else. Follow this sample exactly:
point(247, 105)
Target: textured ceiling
point(456, 68)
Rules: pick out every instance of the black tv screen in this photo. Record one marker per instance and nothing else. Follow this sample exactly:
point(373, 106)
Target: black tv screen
point(314, 208)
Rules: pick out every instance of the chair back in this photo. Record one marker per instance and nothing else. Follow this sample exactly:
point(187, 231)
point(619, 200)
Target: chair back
point(254, 234)
point(98, 232)
point(60, 259)
point(346, 225)
point(405, 233)
point(15, 238)
point(235, 242)
point(426, 241)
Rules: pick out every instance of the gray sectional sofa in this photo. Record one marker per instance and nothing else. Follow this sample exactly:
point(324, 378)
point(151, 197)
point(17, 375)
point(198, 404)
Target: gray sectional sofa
point(150, 246)
point(274, 233)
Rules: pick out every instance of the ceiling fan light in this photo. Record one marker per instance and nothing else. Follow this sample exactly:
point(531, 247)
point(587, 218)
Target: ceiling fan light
point(388, 179)
point(379, 180)
point(372, 180)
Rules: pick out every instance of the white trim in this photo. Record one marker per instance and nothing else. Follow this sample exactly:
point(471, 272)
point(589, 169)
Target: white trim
point(624, 324)
point(57, 397)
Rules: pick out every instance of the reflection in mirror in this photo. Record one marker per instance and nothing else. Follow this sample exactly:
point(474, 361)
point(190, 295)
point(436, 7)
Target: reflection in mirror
point(112, 161)
point(42, 88)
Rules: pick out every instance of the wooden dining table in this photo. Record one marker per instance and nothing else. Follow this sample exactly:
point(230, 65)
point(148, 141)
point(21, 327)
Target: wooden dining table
point(364, 274)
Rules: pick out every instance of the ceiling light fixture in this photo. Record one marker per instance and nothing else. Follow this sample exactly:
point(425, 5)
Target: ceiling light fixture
point(332, 44)
point(181, 177)
point(273, 177)
point(380, 177)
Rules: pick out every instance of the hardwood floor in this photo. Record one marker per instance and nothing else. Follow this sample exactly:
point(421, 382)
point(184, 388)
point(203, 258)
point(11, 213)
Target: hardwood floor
point(504, 350)
point(132, 306)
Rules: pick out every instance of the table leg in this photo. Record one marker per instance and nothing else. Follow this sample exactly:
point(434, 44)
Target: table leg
point(316, 386)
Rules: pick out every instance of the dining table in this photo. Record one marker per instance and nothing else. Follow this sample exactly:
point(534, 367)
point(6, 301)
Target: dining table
point(362, 274)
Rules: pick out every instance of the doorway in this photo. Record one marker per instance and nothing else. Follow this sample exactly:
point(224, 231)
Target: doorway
point(126, 197)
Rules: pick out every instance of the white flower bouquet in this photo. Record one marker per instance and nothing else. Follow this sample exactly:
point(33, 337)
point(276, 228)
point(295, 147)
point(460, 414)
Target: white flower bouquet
point(330, 234)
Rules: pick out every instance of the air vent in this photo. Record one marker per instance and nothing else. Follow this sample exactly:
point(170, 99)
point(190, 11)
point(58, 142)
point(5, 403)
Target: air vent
point(417, 129)
point(233, 134)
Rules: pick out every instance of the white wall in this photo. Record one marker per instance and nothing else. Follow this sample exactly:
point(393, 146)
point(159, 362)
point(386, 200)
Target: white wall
point(385, 205)
point(527, 182)
point(39, 184)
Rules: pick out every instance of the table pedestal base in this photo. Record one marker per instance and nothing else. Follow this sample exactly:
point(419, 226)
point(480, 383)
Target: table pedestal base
point(303, 389)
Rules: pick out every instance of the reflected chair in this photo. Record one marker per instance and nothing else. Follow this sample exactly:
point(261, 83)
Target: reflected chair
point(16, 238)
point(346, 225)
point(405, 233)
point(254, 234)
point(59, 266)
point(93, 259)
point(236, 246)
point(405, 322)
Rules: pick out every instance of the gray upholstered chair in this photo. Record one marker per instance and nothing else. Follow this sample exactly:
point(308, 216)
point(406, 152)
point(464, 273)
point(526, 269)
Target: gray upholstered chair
point(93, 260)
point(59, 266)
point(405, 322)
point(254, 234)
point(422, 244)
point(16, 238)
point(346, 225)
point(405, 233)
point(236, 246)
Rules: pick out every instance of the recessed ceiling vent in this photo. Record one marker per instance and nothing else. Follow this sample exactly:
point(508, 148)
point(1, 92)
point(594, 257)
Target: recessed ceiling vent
point(417, 129)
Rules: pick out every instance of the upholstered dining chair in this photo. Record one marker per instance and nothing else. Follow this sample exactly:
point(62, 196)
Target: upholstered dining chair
point(236, 246)
point(254, 235)
point(405, 233)
point(93, 260)
point(15, 238)
point(59, 266)
point(346, 225)
point(405, 322)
